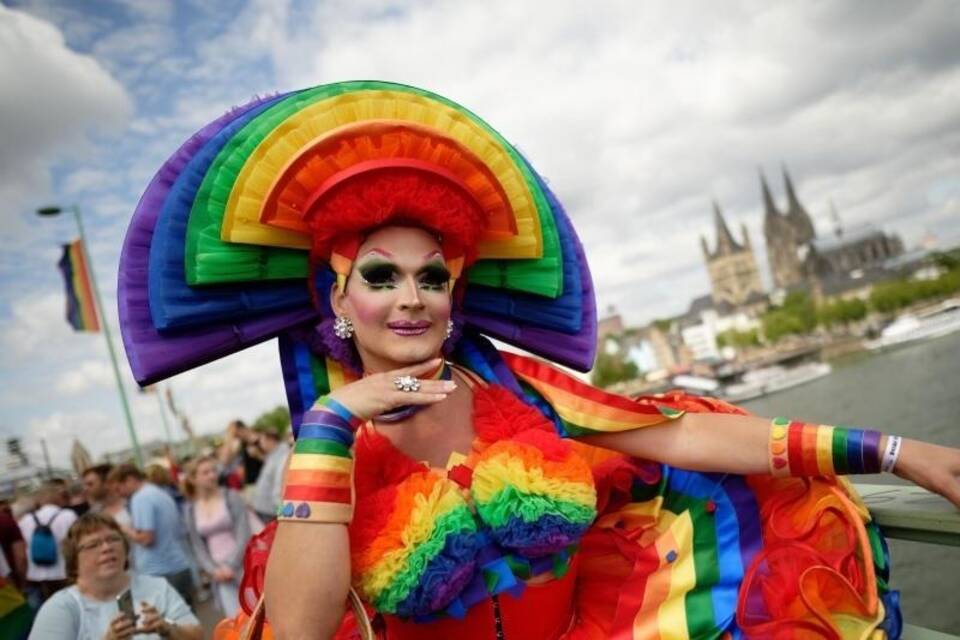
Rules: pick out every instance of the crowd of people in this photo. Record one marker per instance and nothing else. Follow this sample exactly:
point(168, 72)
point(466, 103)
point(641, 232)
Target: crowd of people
point(164, 539)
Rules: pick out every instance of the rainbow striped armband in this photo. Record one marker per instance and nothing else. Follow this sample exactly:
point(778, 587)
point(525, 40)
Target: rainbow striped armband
point(802, 449)
point(319, 481)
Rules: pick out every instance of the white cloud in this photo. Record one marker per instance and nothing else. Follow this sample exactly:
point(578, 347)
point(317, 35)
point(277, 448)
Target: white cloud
point(641, 113)
point(88, 374)
point(59, 429)
point(52, 98)
point(87, 179)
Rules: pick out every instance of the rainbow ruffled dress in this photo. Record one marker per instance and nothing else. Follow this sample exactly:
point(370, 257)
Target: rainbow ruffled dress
point(229, 246)
point(615, 547)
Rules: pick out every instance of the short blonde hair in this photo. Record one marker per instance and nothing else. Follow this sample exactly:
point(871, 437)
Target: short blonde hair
point(158, 475)
point(85, 525)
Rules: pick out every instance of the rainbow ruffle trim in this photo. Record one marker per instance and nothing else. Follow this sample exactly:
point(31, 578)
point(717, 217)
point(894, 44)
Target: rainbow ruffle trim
point(534, 494)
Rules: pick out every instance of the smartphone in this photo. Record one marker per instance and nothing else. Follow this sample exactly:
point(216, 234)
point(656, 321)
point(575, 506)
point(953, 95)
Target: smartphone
point(125, 604)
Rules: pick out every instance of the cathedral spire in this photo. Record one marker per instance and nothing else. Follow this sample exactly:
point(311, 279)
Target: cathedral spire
point(725, 242)
point(799, 218)
point(792, 202)
point(769, 207)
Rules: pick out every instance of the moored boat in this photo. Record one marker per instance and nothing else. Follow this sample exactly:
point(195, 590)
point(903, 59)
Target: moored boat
point(932, 323)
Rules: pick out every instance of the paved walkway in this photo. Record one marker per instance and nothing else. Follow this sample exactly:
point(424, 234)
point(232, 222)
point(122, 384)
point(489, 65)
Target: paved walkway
point(209, 616)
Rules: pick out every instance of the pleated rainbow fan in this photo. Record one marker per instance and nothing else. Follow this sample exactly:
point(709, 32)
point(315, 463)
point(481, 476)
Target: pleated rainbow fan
point(217, 256)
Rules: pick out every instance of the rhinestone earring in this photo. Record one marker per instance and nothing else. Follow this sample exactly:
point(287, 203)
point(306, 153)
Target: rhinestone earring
point(343, 327)
point(449, 328)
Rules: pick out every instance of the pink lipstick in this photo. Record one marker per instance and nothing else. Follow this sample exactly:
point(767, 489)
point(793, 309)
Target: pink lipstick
point(409, 328)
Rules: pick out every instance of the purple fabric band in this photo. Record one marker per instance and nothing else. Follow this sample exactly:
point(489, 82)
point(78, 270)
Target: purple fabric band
point(318, 432)
point(871, 451)
point(325, 418)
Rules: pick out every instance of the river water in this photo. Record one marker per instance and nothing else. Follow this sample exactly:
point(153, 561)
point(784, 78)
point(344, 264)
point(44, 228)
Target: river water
point(913, 391)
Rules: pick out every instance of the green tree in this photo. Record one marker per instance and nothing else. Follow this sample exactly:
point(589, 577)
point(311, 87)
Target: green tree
point(841, 312)
point(663, 324)
point(277, 419)
point(738, 339)
point(890, 296)
point(797, 315)
point(612, 368)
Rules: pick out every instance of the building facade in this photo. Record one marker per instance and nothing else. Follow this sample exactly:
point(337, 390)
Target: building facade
point(734, 277)
point(787, 236)
point(799, 259)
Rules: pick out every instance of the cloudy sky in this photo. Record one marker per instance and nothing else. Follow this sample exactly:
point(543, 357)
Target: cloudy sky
point(639, 114)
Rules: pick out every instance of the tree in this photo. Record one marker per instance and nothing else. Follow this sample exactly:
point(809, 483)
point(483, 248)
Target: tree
point(738, 339)
point(797, 315)
point(890, 296)
point(612, 368)
point(841, 312)
point(277, 419)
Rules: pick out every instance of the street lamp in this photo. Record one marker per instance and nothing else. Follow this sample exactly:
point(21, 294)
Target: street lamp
point(53, 211)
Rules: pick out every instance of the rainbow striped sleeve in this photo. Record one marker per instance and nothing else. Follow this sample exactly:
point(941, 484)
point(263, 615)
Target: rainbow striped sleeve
point(81, 309)
point(583, 409)
point(319, 480)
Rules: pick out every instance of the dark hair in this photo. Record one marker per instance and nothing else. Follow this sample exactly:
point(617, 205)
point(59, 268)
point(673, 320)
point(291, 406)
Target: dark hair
point(124, 471)
point(85, 525)
point(102, 471)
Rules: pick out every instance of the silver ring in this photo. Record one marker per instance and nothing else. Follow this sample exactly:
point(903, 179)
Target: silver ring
point(406, 383)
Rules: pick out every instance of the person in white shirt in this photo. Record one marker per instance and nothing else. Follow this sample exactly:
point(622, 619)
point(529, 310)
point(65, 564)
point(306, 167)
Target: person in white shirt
point(43, 580)
point(96, 551)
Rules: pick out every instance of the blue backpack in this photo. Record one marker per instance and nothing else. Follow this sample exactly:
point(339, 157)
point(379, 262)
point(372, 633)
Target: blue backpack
point(43, 544)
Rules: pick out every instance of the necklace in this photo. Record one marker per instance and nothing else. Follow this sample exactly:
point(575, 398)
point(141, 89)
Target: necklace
point(404, 412)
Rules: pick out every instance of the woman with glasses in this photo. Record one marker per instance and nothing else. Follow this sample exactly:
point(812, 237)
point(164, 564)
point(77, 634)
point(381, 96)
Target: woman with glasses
point(95, 552)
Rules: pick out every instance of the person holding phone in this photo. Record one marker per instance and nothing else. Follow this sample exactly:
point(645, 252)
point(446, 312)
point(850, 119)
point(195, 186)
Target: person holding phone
point(106, 601)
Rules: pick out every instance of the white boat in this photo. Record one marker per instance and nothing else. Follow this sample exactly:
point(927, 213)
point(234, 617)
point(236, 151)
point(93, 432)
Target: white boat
point(761, 382)
point(933, 323)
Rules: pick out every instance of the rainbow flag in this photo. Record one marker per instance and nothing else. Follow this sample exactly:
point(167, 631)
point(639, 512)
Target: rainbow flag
point(81, 312)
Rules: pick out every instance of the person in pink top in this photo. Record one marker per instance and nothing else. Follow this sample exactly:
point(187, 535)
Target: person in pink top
point(218, 524)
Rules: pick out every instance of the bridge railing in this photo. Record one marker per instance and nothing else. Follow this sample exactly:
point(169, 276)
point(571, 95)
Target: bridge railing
point(912, 513)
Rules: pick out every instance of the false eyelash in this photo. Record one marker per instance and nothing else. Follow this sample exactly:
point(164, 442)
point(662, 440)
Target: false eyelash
point(434, 277)
point(378, 275)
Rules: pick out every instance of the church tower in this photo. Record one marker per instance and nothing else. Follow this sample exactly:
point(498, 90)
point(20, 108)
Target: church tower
point(788, 235)
point(734, 277)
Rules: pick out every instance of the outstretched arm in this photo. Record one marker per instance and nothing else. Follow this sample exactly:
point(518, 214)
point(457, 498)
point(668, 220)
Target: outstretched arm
point(741, 444)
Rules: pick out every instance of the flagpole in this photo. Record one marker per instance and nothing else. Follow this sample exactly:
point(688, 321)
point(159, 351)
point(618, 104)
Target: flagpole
point(138, 455)
point(163, 417)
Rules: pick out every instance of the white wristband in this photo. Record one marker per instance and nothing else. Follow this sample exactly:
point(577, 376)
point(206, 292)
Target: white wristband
point(891, 454)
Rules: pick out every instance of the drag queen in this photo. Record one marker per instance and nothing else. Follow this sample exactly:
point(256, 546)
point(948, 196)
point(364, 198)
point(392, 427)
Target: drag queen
point(450, 489)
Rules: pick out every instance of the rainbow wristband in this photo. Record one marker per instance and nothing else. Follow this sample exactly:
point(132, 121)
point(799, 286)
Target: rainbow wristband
point(319, 480)
point(329, 405)
point(802, 449)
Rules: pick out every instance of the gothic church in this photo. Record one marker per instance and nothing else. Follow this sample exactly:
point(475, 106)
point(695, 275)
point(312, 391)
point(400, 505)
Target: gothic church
point(796, 256)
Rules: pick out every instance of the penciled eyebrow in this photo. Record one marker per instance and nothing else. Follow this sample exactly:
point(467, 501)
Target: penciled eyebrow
point(374, 258)
point(380, 252)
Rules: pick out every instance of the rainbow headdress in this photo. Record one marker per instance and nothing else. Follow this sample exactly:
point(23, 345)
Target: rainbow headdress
point(265, 206)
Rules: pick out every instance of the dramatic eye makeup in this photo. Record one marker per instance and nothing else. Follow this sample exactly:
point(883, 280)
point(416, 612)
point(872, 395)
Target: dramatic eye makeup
point(378, 274)
point(433, 277)
point(381, 274)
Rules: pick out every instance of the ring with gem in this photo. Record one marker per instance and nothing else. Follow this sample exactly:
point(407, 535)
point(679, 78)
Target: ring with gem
point(406, 383)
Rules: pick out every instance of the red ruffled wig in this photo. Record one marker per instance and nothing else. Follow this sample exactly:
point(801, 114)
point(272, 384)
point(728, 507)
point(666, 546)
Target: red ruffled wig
point(395, 195)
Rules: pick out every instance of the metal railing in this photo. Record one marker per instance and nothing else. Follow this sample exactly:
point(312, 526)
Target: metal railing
point(912, 513)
